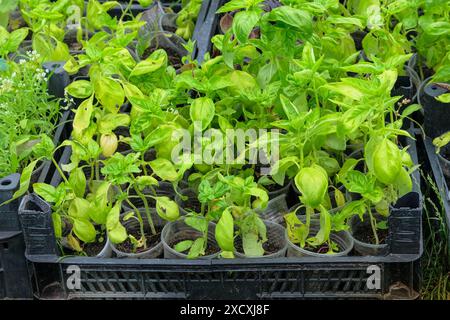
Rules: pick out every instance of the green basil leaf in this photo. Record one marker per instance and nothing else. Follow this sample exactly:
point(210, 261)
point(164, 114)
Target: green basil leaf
point(80, 89)
point(243, 24)
point(202, 110)
point(183, 245)
point(84, 230)
point(164, 169)
point(225, 231)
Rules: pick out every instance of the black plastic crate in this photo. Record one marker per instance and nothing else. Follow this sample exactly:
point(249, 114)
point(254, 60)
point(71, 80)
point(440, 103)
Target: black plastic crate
point(339, 277)
point(14, 279)
point(439, 178)
point(14, 276)
point(205, 29)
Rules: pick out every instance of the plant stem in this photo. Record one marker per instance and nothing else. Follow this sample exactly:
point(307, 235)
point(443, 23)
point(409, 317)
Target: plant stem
point(147, 210)
point(144, 165)
point(126, 10)
point(97, 171)
point(91, 177)
point(374, 227)
point(202, 210)
point(63, 176)
point(141, 222)
point(308, 217)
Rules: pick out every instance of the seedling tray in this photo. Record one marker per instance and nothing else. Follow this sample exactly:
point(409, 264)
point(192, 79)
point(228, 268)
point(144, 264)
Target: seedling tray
point(398, 272)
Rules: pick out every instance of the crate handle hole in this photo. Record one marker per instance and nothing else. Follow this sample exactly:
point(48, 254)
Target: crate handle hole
point(5, 182)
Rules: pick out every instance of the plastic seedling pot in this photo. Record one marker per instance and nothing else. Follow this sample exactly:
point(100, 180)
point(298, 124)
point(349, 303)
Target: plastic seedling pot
point(436, 113)
point(132, 226)
point(275, 210)
point(177, 231)
point(342, 238)
point(364, 248)
point(283, 190)
point(37, 172)
point(190, 204)
point(443, 156)
point(275, 236)
point(158, 32)
point(105, 252)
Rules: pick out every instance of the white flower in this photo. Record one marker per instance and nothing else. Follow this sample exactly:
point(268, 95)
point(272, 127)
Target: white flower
point(22, 61)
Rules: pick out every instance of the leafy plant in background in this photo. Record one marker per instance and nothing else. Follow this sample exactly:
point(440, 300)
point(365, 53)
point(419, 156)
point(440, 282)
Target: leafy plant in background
point(186, 18)
point(29, 115)
point(10, 42)
point(47, 21)
point(6, 7)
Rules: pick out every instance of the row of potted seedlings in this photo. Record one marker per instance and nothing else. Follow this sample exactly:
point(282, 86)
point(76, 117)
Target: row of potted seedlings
point(129, 192)
point(33, 34)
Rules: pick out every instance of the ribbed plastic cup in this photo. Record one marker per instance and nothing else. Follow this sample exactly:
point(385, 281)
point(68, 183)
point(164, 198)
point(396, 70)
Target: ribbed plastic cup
point(177, 231)
point(363, 248)
point(275, 210)
point(342, 238)
point(133, 225)
point(184, 204)
point(275, 235)
point(106, 251)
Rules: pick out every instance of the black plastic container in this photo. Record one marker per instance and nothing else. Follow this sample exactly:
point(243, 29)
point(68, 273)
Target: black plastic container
point(436, 113)
point(394, 276)
point(207, 22)
point(14, 279)
point(439, 178)
point(59, 78)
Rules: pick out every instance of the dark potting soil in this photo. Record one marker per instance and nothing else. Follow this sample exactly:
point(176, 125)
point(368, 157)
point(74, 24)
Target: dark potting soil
point(75, 46)
point(211, 248)
point(268, 246)
point(322, 249)
point(122, 147)
point(365, 235)
point(192, 204)
point(275, 186)
point(94, 248)
point(174, 58)
point(152, 241)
